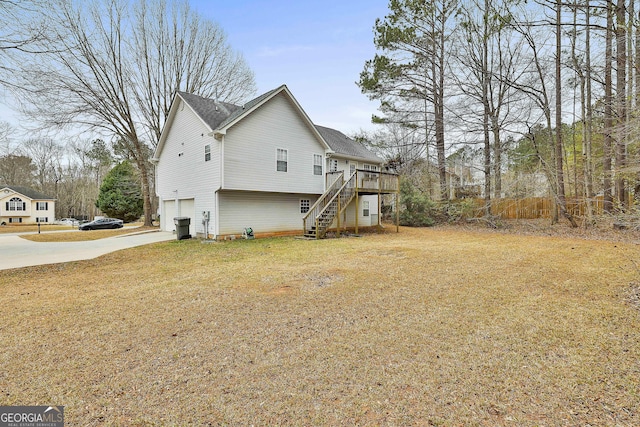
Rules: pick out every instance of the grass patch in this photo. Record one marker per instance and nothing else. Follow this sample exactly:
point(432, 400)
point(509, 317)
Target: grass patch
point(425, 327)
point(12, 228)
point(81, 236)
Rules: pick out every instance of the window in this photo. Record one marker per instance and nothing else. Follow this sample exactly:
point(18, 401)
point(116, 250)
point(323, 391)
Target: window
point(281, 160)
point(14, 220)
point(42, 206)
point(207, 152)
point(317, 164)
point(305, 204)
point(365, 208)
point(333, 165)
point(16, 204)
point(352, 168)
point(42, 219)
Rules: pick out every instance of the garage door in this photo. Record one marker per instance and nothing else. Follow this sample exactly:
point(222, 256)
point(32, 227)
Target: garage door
point(169, 212)
point(187, 208)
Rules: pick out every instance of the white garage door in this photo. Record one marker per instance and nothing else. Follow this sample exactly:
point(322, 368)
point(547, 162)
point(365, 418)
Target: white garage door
point(169, 212)
point(187, 208)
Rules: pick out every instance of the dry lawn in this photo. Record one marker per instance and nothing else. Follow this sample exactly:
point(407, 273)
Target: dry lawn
point(81, 236)
point(426, 327)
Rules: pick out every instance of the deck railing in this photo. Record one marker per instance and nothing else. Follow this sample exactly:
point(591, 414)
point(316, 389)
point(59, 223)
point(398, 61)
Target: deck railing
point(339, 194)
point(377, 181)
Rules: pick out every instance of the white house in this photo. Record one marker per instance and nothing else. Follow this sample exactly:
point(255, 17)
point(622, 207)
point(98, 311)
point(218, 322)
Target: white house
point(21, 205)
point(262, 165)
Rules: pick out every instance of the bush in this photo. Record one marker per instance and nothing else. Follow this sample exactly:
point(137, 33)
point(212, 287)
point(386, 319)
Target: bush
point(416, 209)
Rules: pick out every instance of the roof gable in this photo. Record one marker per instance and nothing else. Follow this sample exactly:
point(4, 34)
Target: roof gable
point(26, 192)
point(218, 117)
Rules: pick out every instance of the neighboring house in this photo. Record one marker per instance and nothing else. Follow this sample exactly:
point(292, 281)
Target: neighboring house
point(262, 165)
point(21, 205)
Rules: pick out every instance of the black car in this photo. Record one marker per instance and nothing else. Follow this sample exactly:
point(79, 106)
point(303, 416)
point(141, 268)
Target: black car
point(100, 224)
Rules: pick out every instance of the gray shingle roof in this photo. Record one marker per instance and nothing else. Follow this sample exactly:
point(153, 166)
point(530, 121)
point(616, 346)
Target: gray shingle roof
point(32, 194)
point(249, 105)
point(212, 112)
point(342, 144)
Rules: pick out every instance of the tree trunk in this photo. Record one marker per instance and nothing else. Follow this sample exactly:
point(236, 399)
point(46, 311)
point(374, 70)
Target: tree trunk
point(621, 104)
point(562, 202)
point(608, 113)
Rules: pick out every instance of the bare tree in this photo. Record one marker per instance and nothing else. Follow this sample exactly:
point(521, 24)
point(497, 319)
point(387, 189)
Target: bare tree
point(95, 73)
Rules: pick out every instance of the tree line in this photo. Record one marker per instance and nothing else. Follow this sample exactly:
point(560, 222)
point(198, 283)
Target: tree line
point(110, 68)
point(547, 88)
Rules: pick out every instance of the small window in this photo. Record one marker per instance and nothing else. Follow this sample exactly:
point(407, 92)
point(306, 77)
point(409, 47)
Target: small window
point(365, 208)
point(15, 220)
point(333, 165)
point(281, 160)
point(42, 206)
point(207, 152)
point(305, 204)
point(42, 219)
point(317, 164)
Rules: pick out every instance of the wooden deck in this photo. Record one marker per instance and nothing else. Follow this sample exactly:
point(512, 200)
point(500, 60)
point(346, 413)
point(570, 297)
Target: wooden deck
point(341, 192)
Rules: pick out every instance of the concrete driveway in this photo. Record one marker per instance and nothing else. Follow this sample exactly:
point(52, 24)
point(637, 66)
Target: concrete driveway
point(16, 252)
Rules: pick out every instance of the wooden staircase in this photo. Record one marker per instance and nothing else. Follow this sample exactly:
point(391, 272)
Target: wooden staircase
point(329, 206)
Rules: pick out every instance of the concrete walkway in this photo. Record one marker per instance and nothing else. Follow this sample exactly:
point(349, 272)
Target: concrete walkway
point(16, 252)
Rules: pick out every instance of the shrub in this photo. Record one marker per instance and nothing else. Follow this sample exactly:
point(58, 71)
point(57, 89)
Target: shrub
point(416, 209)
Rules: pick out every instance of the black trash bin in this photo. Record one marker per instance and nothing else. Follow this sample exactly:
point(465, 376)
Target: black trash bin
point(182, 227)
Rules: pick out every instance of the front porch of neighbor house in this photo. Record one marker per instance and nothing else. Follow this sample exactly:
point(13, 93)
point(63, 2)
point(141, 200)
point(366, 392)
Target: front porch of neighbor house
point(326, 213)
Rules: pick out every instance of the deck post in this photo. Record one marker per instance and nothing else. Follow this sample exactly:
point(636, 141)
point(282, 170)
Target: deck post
point(338, 217)
point(398, 212)
point(357, 209)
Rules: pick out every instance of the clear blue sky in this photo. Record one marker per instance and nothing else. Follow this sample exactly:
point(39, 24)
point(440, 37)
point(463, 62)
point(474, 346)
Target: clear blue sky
point(317, 48)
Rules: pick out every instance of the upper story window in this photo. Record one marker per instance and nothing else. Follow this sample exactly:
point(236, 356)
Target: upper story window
point(16, 204)
point(207, 152)
point(281, 160)
point(317, 164)
point(42, 206)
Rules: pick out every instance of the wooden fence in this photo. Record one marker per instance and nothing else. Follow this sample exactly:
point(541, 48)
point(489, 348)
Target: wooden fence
point(537, 207)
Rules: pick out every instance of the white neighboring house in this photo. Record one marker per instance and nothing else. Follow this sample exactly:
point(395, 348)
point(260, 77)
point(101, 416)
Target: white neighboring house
point(262, 165)
point(22, 205)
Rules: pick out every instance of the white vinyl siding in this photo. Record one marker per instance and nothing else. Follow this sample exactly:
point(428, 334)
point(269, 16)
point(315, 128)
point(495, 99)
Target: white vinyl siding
point(250, 147)
point(188, 173)
point(264, 212)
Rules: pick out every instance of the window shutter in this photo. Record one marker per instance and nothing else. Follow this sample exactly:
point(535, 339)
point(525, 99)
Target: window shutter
point(24, 206)
point(7, 206)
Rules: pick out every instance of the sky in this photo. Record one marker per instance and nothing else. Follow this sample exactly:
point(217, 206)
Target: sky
point(317, 48)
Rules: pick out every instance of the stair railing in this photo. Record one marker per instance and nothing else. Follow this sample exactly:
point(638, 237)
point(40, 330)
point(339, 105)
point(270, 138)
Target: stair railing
point(342, 197)
point(321, 203)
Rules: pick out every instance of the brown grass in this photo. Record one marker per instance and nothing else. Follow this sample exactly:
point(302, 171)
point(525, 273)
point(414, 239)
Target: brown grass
point(426, 327)
point(81, 236)
point(16, 228)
